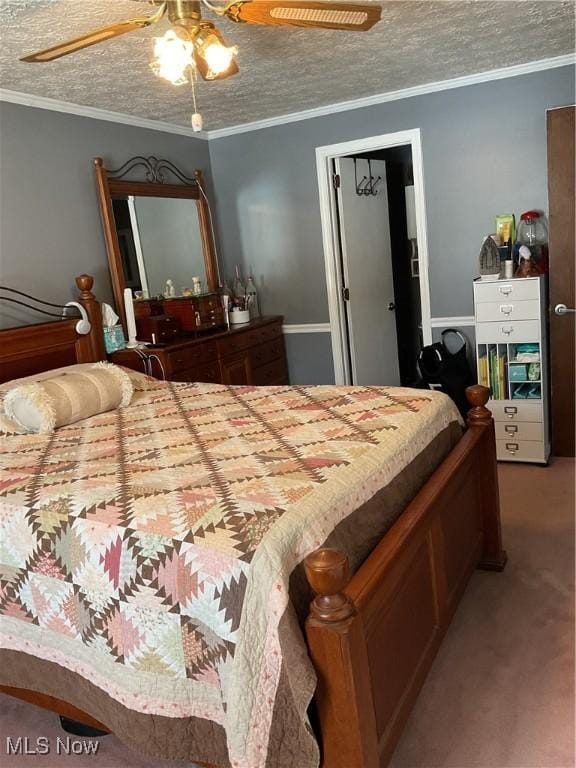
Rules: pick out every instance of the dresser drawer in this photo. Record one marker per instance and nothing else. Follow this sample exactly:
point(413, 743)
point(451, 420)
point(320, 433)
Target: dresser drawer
point(493, 311)
point(237, 342)
point(520, 289)
point(203, 352)
point(521, 450)
point(514, 411)
point(208, 373)
point(179, 360)
point(510, 331)
point(521, 430)
point(265, 353)
point(271, 374)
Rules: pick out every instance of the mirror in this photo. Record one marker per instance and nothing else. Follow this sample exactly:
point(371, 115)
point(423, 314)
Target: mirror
point(155, 231)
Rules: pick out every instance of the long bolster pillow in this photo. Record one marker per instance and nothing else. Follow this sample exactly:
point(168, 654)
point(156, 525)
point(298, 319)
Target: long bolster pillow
point(44, 405)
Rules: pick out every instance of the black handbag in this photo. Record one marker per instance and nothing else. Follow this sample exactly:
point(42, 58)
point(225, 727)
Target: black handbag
point(444, 366)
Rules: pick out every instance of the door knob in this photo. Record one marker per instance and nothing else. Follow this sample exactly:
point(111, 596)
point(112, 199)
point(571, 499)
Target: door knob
point(562, 309)
point(391, 306)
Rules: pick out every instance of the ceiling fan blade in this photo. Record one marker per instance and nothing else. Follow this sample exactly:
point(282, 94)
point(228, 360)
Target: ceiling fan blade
point(322, 15)
point(91, 38)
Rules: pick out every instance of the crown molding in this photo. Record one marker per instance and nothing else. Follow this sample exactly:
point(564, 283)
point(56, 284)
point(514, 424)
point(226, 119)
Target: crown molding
point(404, 93)
point(56, 105)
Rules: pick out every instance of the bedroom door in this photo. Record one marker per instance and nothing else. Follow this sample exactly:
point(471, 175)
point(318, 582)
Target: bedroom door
point(561, 181)
point(368, 287)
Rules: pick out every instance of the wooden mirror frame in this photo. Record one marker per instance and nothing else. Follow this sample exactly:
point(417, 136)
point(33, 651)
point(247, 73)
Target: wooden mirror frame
point(113, 183)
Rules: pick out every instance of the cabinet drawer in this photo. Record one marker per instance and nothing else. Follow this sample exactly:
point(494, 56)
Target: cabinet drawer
point(208, 373)
point(510, 331)
point(521, 450)
point(178, 360)
point(489, 311)
point(204, 352)
point(237, 342)
point(520, 289)
point(521, 430)
point(274, 373)
point(265, 353)
point(512, 410)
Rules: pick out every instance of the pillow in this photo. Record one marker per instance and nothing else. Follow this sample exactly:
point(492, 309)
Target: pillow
point(41, 406)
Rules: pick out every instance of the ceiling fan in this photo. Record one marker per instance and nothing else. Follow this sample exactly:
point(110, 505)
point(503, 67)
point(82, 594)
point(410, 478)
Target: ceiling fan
point(191, 36)
point(195, 46)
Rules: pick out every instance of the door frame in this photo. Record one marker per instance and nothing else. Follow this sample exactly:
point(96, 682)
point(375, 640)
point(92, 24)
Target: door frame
point(329, 221)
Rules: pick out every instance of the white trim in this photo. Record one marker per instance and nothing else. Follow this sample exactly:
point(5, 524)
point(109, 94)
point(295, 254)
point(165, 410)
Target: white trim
point(307, 328)
point(96, 113)
point(138, 245)
point(403, 93)
point(452, 322)
point(56, 105)
point(324, 155)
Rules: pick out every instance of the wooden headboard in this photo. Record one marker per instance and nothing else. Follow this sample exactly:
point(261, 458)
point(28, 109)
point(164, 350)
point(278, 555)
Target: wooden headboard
point(32, 349)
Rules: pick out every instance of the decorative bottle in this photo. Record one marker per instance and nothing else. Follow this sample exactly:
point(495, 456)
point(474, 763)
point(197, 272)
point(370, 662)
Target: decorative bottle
point(239, 290)
point(252, 298)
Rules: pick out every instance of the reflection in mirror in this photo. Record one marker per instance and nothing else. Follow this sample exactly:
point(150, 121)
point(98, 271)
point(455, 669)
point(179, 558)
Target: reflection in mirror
point(159, 240)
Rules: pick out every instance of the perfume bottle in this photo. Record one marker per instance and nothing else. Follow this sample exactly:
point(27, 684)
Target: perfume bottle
point(252, 298)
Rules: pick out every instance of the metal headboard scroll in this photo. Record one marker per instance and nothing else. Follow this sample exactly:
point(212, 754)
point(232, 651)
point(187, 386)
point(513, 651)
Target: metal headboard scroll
point(83, 326)
point(156, 170)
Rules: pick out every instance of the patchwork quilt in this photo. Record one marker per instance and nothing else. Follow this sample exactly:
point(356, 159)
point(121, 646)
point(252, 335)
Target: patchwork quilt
point(148, 551)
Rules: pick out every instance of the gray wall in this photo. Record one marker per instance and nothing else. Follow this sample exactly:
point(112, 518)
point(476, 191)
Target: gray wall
point(50, 228)
point(484, 152)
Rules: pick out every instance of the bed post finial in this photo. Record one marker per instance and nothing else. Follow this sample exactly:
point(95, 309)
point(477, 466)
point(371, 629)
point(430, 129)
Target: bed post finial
point(91, 347)
point(480, 419)
point(328, 573)
point(84, 284)
point(478, 396)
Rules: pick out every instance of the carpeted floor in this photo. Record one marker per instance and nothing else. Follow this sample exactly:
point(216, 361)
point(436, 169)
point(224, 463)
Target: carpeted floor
point(501, 691)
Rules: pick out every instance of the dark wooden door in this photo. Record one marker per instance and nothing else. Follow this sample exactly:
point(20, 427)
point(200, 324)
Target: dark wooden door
point(562, 205)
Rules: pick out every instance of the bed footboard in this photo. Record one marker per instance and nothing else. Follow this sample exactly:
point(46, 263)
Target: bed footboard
point(373, 638)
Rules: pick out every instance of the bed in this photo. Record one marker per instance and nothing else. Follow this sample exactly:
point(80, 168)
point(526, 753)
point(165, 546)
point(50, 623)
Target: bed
point(228, 553)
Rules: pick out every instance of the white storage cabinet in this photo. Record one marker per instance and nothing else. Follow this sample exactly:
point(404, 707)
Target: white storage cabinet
point(511, 356)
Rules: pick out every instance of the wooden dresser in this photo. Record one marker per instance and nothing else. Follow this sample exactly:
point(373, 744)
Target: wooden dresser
point(250, 354)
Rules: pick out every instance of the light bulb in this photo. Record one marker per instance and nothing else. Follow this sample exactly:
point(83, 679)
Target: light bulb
point(173, 55)
point(218, 56)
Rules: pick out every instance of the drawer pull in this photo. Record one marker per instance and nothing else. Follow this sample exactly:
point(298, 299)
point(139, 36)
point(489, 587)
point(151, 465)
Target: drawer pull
point(507, 329)
point(510, 411)
point(512, 447)
point(506, 309)
point(511, 428)
point(505, 290)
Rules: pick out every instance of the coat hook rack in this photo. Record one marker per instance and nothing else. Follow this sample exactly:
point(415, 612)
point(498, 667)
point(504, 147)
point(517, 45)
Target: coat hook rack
point(367, 184)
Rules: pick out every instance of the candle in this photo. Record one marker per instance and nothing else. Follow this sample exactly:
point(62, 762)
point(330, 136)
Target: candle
point(130, 319)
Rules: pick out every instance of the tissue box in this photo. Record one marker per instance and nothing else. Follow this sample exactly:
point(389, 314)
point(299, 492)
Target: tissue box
point(114, 338)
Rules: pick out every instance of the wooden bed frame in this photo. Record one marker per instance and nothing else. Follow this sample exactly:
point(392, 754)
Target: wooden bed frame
point(372, 637)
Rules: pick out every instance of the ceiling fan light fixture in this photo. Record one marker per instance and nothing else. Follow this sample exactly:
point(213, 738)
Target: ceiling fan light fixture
point(173, 55)
point(214, 59)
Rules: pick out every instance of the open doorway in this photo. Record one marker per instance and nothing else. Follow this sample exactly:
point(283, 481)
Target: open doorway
point(373, 219)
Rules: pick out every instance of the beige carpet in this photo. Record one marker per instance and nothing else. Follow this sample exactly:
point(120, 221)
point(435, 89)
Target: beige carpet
point(500, 694)
point(501, 691)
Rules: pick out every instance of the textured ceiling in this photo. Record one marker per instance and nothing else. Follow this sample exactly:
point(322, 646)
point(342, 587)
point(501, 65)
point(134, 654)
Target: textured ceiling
point(282, 70)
